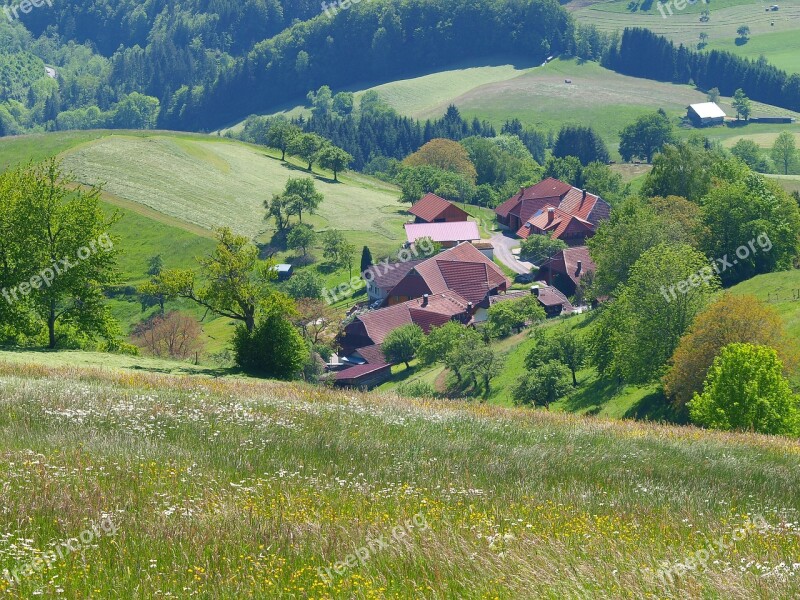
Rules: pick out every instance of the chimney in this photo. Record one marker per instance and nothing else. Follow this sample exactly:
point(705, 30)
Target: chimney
point(535, 291)
point(425, 300)
point(470, 306)
point(551, 214)
point(521, 191)
point(580, 267)
point(583, 199)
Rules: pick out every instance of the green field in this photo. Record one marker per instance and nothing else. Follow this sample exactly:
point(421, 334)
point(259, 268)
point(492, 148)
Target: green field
point(222, 488)
point(539, 96)
point(773, 34)
point(209, 182)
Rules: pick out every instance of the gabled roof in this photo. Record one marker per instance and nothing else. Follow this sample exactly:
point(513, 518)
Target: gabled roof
point(458, 231)
point(354, 373)
point(440, 309)
point(566, 262)
point(430, 206)
point(372, 354)
point(555, 226)
point(550, 296)
point(387, 275)
point(463, 269)
point(553, 192)
point(708, 110)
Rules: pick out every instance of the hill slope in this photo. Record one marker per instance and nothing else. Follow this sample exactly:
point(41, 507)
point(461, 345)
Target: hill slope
point(265, 490)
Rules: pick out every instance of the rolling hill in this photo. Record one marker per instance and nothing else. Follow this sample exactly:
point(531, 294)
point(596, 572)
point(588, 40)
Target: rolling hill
point(773, 34)
point(539, 96)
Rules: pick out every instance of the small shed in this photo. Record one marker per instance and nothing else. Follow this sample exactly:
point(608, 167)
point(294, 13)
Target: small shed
point(706, 114)
point(284, 271)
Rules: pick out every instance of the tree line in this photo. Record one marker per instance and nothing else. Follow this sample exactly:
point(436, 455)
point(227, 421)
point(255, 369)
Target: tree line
point(642, 53)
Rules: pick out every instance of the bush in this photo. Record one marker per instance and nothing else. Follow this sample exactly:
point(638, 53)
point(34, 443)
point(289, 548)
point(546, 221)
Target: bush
point(274, 349)
point(416, 389)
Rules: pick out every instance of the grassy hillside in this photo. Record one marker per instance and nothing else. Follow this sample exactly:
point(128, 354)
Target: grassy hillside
point(258, 488)
point(780, 290)
point(539, 96)
point(773, 34)
point(209, 182)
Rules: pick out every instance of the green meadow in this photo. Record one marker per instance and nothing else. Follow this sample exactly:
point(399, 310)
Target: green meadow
point(226, 488)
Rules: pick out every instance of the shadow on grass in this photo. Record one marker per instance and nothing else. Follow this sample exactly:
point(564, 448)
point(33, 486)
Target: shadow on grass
point(655, 407)
point(592, 397)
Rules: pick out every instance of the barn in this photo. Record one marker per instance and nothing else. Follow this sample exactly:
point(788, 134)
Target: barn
point(706, 114)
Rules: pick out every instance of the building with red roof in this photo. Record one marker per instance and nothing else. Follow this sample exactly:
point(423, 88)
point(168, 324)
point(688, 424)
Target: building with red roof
point(559, 225)
point(463, 269)
point(518, 209)
point(434, 209)
point(565, 269)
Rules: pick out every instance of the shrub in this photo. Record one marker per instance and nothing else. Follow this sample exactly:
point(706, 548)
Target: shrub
point(274, 349)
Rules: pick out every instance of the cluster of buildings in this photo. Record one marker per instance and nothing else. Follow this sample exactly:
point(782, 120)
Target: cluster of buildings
point(462, 282)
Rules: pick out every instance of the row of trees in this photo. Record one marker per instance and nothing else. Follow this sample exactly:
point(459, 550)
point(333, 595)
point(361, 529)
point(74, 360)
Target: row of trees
point(642, 53)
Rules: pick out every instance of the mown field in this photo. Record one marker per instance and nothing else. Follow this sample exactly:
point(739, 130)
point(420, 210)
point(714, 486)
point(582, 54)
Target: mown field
point(773, 34)
point(220, 488)
point(210, 182)
point(539, 97)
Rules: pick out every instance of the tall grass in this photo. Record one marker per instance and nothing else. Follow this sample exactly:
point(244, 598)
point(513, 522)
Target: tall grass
point(236, 488)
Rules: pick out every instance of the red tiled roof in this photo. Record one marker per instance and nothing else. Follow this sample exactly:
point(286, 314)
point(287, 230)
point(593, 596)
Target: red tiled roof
point(572, 200)
point(555, 226)
point(440, 308)
point(430, 206)
point(372, 354)
point(566, 262)
point(458, 231)
point(445, 271)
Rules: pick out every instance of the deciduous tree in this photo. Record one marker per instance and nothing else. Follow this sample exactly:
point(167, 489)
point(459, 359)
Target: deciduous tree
point(401, 345)
point(746, 391)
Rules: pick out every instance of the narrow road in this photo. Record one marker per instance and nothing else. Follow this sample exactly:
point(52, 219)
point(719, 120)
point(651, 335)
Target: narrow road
point(503, 245)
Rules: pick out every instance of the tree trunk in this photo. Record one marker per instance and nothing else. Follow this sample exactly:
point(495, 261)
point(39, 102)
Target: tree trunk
point(250, 323)
point(283, 154)
point(407, 365)
point(310, 165)
point(335, 176)
point(574, 379)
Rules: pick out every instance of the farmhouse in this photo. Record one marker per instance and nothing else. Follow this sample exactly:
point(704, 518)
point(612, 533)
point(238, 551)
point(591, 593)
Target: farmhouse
point(517, 210)
point(706, 114)
point(382, 278)
point(463, 269)
point(446, 234)
point(372, 327)
point(559, 225)
point(433, 209)
point(565, 269)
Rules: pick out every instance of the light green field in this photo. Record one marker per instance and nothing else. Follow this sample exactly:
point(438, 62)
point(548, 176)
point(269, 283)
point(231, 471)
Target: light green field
point(765, 140)
point(227, 489)
point(209, 182)
point(779, 290)
point(779, 42)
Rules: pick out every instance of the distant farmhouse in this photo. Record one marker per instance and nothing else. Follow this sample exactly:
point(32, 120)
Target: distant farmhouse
point(706, 114)
point(555, 208)
point(433, 209)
